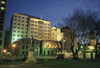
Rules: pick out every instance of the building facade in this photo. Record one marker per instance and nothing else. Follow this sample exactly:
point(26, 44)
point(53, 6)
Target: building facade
point(3, 7)
point(41, 48)
point(25, 26)
point(56, 34)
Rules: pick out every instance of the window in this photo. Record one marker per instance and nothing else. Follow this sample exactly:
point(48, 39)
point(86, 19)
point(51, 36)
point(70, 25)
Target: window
point(14, 26)
point(22, 21)
point(35, 35)
point(22, 27)
point(18, 27)
point(22, 31)
point(14, 30)
point(2, 8)
point(32, 28)
point(35, 28)
point(0, 35)
point(35, 21)
point(0, 42)
point(32, 24)
point(18, 20)
point(3, 2)
point(18, 24)
point(22, 17)
point(21, 35)
point(35, 32)
point(15, 16)
point(55, 29)
point(26, 41)
point(22, 24)
point(32, 31)
point(19, 17)
point(14, 23)
point(18, 31)
point(35, 25)
point(32, 21)
point(13, 34)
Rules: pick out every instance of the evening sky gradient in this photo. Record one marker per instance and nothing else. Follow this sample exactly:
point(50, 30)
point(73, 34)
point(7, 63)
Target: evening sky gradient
point(52, 10)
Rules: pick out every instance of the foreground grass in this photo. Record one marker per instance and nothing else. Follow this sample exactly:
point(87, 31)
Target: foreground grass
point(58, 64)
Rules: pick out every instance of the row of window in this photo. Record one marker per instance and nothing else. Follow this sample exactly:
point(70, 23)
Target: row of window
point(33, 32)
point(19, 27)
point(33, 28)
point(34, 25)
point(20, 20)
point(20, 17)
point(40, 22)
point(20, 24)
point(19, 31)
point(19, 35)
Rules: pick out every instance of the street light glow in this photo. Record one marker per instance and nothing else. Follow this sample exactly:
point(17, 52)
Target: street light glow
point(91, 47)
point(14, 45)
point(4, 50)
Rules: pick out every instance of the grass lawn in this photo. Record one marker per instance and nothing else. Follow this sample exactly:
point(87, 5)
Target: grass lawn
point(58, 64)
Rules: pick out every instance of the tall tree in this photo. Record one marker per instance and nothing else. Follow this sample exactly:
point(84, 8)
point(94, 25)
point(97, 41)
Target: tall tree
point(82, 22)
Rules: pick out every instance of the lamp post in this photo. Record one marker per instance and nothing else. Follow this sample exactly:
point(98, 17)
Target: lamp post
point(63, 45)
point(4, 51)
point(13, 48)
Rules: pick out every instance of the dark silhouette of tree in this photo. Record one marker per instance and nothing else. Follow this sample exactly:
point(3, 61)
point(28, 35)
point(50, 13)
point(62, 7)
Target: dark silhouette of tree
point(80, 22)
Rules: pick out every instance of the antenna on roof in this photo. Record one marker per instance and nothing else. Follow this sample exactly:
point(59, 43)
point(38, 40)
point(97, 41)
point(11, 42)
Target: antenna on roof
point(41, 17)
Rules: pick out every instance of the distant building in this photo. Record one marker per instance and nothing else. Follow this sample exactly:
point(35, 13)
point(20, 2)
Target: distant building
point(69, 36)
point(26, 26)
point(3, 7)
point(92, 38)
point(56, 34)
point(97, 31)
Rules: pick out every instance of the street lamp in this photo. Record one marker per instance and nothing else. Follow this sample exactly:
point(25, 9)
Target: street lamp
point(4, 51)
point(13, 48)
point(63, 45)
point(14, 45)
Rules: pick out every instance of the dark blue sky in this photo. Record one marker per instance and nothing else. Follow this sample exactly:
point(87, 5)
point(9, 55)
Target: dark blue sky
point(52, 10)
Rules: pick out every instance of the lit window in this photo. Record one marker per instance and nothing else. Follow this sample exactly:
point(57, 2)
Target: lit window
point(32, 31)
point(22, 28)
point(13, 34)
point(21, 35)
point(18, 31)
point(22, 24)
point(32, 24)
point(2, 8)
point(3, 2)
point(22, 31)
point(14, 31)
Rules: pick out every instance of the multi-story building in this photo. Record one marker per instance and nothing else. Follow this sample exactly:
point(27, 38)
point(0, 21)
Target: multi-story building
point(56, 34)
point(25, 26)
point(3, 6)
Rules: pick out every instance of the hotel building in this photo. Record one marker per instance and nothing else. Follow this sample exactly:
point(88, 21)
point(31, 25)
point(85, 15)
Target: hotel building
point(25, 26)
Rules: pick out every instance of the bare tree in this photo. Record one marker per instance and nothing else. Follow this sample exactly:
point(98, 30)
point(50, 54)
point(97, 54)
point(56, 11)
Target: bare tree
point(80, 22)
